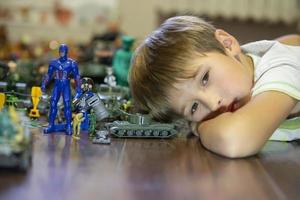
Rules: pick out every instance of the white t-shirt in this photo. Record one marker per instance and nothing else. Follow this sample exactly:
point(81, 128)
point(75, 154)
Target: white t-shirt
point(277, 67)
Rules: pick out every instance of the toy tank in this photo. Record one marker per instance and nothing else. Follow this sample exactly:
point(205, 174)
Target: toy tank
point(141, 126)
point(15, 141)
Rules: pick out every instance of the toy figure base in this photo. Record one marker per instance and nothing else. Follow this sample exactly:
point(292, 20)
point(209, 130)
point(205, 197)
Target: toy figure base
point(34, 113)
point(76, 137)
point(58, 128)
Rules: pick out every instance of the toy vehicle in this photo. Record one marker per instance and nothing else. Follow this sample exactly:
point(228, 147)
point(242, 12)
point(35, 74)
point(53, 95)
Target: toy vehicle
point(15, 141)
point(141, 126)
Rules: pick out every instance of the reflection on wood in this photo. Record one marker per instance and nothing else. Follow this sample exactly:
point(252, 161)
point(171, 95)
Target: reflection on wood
point(178, 168)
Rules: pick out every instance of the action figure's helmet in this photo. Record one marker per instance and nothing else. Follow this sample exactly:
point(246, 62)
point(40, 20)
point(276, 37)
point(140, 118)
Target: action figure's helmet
point(87, 84)
point(63, 51)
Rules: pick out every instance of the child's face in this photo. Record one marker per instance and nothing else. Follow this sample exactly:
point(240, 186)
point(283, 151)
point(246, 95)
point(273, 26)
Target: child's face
point(222, 84)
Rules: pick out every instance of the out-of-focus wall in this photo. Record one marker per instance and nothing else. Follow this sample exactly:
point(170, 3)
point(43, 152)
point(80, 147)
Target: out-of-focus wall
point(140, 18)
point(44, 20)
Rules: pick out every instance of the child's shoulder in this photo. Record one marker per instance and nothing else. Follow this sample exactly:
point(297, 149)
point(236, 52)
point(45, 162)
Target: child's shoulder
point(273, 52)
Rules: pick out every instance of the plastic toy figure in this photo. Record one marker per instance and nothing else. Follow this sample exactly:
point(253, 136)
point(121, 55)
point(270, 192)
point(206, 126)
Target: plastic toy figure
point(110, 79)
point(122, 59)
point(36, 93)
point(101, 137)
point(61, 69)
point(92, 124)
point(2, 100)
point(78, 118)
point(87, 101)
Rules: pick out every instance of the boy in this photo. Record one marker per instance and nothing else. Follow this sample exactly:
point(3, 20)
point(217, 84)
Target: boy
point(240, 95)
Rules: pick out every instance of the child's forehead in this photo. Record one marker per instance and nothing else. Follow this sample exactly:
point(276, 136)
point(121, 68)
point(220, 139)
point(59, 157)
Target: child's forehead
point(190, 71)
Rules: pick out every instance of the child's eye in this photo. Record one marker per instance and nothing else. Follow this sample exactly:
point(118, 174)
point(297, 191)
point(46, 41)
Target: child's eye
point(194, 108)
point(205, 79)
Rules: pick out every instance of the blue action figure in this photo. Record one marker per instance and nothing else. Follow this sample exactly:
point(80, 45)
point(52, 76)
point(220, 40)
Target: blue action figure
point(61, 70)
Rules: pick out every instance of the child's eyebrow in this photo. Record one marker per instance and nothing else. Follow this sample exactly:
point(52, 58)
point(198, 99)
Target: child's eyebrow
point(199, 69)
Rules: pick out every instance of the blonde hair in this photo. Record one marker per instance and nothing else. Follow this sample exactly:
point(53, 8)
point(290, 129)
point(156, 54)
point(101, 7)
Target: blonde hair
point(162, 60)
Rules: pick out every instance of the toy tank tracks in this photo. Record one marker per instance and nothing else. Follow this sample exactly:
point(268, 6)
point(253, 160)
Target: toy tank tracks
point(141, 126)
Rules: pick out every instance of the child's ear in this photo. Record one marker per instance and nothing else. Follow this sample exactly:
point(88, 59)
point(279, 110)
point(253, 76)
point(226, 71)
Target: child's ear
point(229, 42)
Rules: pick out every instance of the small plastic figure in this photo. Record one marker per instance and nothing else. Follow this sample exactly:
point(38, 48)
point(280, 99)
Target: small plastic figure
point(36, 93)
point(110, 79)
point(61, 70)
point(122, 59)
point(101, 137)
point(92, 124)
point(87, 101)
point(2, 100)
point(78, 118)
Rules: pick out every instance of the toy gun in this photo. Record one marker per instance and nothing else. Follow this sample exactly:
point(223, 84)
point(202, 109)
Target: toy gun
point(95, 103)
point(76, 101)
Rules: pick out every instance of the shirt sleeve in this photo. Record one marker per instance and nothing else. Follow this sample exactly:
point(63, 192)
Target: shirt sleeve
point(283, 78)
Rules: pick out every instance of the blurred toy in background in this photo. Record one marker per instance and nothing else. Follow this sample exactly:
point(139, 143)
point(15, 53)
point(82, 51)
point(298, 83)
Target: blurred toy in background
point(2, 100)
point(110, 79)
point(13, 75)
point(20, 101)
point(3, 70)
point(36, 94)
point(89, 103)
point(15, 140)
point(61, 69)
point(122, 60)
point(107, 43)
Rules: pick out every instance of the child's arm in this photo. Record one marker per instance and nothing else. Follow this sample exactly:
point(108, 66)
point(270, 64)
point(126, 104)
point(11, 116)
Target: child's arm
point(244, 132)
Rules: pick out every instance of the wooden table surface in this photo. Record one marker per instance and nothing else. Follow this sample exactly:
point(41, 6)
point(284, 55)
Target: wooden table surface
point(178, 168)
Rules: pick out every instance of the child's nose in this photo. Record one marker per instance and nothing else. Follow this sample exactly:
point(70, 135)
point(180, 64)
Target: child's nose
point(213, 102)
point(214, 105)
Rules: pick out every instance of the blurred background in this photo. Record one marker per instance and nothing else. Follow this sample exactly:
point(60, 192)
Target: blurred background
point(31, 30)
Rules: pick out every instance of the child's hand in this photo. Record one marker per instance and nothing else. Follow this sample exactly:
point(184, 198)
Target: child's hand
point(194, 128)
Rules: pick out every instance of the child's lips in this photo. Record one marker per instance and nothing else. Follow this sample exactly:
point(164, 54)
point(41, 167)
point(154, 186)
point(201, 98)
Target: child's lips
point(232, 107)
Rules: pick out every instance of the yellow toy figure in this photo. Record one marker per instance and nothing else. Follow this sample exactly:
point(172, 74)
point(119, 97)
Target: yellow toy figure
point(78, 118)
point(17, 122)
point(36, 93)
point(126, 106)
point(2, 100)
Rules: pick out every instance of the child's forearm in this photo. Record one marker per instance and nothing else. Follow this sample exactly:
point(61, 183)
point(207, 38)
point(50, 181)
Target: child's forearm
point(244, 132)
point(229, 135)
point(217, 136)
